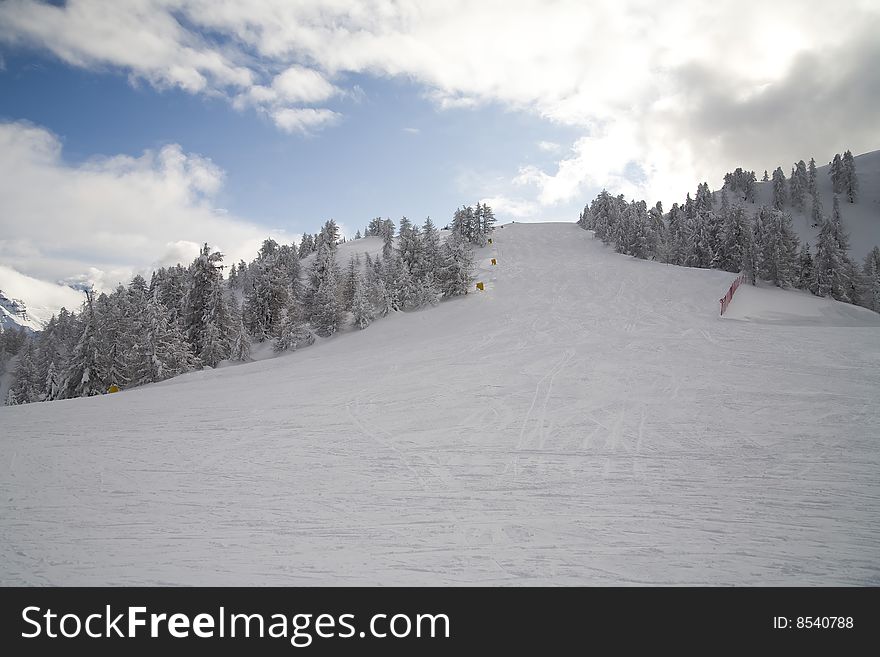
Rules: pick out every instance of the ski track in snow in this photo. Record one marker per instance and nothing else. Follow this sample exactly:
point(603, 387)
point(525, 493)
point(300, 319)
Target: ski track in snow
point(588, 419)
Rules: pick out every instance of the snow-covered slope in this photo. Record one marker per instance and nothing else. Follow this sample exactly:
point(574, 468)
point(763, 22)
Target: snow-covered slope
point(589, 419)
point(861, 219)
point(14, 315)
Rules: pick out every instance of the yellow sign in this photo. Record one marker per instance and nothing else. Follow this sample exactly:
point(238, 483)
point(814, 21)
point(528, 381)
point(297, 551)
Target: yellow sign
point(493, 261)
point(113, 388)
point(490, 240)
point(480, 285)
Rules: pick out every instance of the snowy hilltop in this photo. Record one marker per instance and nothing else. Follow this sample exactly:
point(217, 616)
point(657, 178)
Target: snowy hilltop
point(750, 228)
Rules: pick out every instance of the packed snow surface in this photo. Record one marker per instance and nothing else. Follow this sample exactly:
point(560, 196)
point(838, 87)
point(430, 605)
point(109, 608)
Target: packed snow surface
point(588, 419)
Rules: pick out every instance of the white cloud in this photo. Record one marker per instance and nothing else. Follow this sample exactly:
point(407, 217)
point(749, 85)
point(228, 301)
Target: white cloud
point(302, 85)
point(110, 217)
point(641, 80)
point(411, 131)
point(303, 120)
point(512, 207)
point(549, 146)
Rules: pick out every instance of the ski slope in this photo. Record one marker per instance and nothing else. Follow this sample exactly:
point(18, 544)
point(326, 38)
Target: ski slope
point(587, 420)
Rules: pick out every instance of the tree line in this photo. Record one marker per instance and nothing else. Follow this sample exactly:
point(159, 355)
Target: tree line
point(189, 317)
point(713, 231)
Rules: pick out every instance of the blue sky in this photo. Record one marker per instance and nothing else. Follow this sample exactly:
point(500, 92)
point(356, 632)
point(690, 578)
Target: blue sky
point(394, 153)
point(130, 132)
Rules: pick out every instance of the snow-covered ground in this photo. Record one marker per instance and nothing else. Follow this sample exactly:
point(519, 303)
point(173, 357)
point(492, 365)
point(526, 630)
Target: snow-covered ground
point(589, 419)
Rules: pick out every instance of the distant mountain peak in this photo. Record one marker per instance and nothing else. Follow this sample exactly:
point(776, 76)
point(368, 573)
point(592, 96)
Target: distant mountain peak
point(14, 314)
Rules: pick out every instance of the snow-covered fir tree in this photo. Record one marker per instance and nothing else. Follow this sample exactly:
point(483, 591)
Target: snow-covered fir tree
point(294, 333)
point(806, 277)
point(871, 271)
point(162, 351)
point(456, 265)
point(780, 191)
point(837, 174)
point(812, 179)
point(269, 291)
point(83, 377)
point(362, 309)
point(205, 315)
point(849, 179)
point(799, 185)
point(324, 308)
point(779, 250)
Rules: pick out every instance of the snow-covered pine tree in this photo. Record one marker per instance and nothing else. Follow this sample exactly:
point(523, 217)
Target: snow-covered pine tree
point(471, 225)
point(83, 377)
point(215, 343)
point(404, 291)
point(239, 340)
point(798, 185)
point(205, 315)
point(676, 247)
point(454, 274)
point(269, 292)
point(871, 298)
point(232, 277)
point(350, 280)
point(830, 265)
point(638, 246)
point(836, 173)
point(751, 259)
point(458, 225)
point(116, 337)
point(52, 382)
point(409, 246)
point(288, 261)
point(841, 236)
point(387, 236)
point(294, 333)
point(306, 246)
point(585, 219)
point(816, 214)
point(806, 276)
point(163, 351)
point(430, 248)
point(780, 192)
point(766, 177)
point(324, 309)
point(362, 308)
point(812, 179)
point(27, 387)
point(750, 187)
point(427, 292)
point(487, 222)
point(849, 182)
point(699, 251)
point(656, 231)
point(735, 230)
point(779, 250)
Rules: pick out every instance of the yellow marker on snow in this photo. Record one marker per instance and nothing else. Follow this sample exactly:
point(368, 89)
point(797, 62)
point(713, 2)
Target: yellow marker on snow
point(490, 240)
point(480, 285)
point(113, 388)
point(493, 261)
